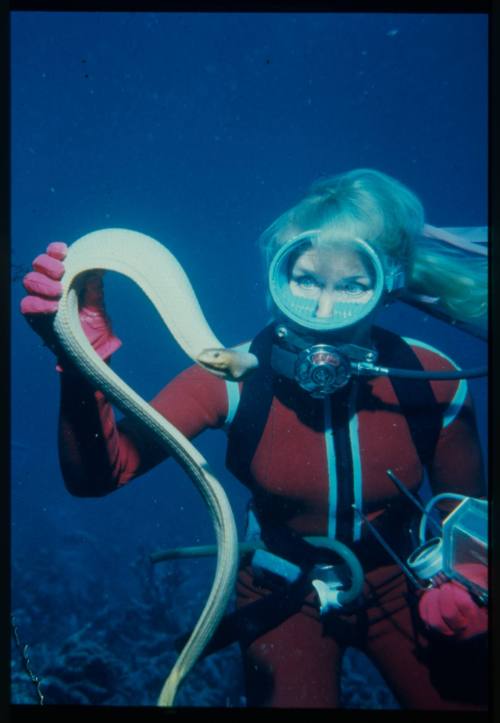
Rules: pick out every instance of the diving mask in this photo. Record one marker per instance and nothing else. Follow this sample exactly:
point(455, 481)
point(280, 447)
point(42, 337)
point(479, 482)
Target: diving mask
point(328, 286)
point(323, 289)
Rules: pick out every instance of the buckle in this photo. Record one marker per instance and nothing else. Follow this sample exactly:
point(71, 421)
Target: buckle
point(328, 581)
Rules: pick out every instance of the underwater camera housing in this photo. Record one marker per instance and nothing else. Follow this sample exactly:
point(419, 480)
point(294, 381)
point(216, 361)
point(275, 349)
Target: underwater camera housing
point(461, 552)
point(465, 542)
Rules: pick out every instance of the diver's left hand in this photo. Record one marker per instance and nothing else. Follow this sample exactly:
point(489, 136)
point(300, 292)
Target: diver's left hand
point(450, 610)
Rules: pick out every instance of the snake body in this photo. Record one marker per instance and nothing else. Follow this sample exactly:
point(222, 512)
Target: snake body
point(150, 265)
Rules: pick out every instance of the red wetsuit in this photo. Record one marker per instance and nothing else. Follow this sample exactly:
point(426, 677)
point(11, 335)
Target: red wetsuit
point(293, 472)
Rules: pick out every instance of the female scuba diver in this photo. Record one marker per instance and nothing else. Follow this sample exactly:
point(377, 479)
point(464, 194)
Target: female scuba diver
point(327, 446)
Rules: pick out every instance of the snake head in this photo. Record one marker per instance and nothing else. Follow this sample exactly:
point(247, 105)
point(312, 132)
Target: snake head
point(229, 364)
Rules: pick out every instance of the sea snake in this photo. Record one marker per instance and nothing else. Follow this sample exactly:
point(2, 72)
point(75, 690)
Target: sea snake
point(160, 276)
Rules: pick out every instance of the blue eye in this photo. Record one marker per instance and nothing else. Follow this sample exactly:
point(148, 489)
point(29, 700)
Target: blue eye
point(306, 282)
point(354, 288)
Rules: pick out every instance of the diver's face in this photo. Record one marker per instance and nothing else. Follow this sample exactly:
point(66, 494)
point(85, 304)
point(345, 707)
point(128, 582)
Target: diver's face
point(329, 276)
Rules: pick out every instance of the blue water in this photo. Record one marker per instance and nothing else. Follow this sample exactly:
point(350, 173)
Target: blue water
point(199, 129)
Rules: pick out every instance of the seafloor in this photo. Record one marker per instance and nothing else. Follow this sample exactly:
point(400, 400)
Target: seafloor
point(89, 645)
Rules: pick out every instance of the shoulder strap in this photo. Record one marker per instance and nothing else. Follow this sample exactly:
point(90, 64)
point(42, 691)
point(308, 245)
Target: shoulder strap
point(416, 398)
point(253, 410)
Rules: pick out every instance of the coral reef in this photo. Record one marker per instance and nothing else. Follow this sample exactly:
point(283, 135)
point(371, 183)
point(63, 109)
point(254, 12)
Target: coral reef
point(92, 645)
point(362, 686)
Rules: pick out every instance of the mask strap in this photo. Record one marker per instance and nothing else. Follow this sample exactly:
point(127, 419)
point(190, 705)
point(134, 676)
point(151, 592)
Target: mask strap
point(395, 278)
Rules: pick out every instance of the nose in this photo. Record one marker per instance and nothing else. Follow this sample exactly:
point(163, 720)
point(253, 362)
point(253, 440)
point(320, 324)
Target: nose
point(325, 304)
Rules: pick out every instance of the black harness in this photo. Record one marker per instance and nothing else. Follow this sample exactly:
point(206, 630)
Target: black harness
point(424, 418)
point(416, 400)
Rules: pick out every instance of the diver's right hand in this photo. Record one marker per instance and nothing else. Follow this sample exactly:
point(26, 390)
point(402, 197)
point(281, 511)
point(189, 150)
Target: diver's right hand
point(44, 291)
point(449, 610)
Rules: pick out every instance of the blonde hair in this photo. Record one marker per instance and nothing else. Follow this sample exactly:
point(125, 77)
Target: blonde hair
point(371, 205)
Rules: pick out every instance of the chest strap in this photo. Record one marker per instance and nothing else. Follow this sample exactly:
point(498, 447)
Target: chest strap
point(257, 394)
point(416, 399)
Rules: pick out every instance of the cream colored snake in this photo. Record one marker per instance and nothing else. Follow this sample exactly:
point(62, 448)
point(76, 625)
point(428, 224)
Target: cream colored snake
point(150, 265)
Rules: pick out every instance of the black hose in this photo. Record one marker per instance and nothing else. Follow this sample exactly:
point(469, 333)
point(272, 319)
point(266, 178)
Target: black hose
point(411, 374)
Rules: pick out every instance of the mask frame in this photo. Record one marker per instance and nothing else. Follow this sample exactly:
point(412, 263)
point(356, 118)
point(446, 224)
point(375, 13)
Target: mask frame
point(300, 310)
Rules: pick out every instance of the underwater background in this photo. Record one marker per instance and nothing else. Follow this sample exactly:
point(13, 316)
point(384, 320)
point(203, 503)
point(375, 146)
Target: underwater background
point(198, 129)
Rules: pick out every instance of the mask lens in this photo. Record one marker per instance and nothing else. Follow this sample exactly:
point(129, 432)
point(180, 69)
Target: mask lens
point(328, 286)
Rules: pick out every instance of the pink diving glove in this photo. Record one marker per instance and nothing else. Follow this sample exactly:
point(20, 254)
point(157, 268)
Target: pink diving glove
point(44, 291)
point(450, 610)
